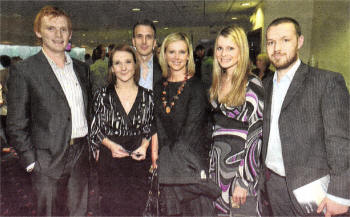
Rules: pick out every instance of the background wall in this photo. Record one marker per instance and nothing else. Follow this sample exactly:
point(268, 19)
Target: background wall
point(331, 36)
point(325, 25)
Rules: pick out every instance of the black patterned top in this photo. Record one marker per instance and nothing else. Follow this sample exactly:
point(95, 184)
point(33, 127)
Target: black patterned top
point(110, 120)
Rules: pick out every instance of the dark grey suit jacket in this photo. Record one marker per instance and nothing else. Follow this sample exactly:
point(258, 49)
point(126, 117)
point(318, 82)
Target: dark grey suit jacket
point(157, 71)
point(39, 122)
point(314, 130)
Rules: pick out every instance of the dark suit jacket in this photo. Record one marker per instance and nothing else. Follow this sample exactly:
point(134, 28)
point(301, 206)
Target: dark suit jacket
point(157, 71)
point(39, 119)
point(314, 129)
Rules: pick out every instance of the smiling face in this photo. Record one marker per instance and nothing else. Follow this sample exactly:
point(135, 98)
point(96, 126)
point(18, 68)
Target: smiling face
point(123, 66)
point(227, 53)
point(282, 45)
point(144, 40)
point(55, 34)
point(176, 55)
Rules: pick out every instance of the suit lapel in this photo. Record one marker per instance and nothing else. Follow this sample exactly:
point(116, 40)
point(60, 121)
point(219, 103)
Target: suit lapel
point(81, 78)
point(296, 84)
point(49, 75)
point(267, 114)
point(156, 70)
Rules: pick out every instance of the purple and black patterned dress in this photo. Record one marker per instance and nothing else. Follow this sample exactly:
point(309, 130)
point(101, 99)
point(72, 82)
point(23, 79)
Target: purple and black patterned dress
point(235, 156)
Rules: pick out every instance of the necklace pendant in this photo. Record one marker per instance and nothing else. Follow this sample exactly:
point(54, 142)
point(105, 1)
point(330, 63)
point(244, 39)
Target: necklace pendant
point(167, 109)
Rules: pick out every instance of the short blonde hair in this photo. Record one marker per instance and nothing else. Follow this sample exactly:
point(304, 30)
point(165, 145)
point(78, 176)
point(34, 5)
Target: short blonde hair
point(265, 58)
point(178, 36)
point(236, 95)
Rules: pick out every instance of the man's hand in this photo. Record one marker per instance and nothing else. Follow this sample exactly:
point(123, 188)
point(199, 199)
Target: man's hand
point(332, 208)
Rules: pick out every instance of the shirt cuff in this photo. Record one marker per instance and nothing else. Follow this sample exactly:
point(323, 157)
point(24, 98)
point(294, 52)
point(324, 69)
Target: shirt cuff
point(30, 167)
point(340, 200)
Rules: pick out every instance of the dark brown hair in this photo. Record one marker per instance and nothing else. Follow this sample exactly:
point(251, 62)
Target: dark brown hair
point(123, 47)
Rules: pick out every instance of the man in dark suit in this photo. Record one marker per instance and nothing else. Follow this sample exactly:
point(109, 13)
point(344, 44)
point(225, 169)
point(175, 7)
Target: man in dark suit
point(306, 127)
point(144, 39)
point(47, 124)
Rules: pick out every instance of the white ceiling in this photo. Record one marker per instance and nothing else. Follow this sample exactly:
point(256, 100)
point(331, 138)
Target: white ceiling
point(106, 22)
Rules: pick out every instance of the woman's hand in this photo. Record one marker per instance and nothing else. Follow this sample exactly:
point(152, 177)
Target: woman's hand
point(118, 151)
point(239, 196)
point(139, 153)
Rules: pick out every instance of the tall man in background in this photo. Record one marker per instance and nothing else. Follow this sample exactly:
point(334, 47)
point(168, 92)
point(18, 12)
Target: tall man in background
point(47, 124)
point(306, 126)
point(144, 40)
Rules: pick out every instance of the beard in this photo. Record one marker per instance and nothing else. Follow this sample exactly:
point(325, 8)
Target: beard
point(284, 63)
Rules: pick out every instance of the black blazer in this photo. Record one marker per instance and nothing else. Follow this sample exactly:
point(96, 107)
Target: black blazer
point(314, 130)
point(157, 71)
point(39, 120)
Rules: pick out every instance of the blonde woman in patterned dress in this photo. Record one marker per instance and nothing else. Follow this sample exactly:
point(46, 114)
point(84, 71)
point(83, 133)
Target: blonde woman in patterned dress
point(237, 102)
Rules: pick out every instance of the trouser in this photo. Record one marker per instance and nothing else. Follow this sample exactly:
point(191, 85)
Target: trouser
point(68, 194)
point(277, 191)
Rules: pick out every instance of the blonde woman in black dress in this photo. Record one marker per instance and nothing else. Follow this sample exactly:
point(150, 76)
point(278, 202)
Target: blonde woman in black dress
point(181, 109)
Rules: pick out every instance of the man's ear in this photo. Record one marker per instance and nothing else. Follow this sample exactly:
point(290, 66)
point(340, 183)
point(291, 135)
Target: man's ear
point(300, 41)
point(133, 42)
point(154, 44)
point(38, 34)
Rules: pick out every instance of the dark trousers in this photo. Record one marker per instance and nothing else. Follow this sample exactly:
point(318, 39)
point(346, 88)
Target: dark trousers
point(68, 194)
point(280, 201)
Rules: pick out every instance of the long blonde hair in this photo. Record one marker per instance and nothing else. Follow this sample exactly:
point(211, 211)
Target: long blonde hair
point(173, 37)
point(236, 95)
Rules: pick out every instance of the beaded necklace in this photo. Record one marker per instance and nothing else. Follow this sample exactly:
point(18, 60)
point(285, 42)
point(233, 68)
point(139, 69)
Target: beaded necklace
point(176, 97)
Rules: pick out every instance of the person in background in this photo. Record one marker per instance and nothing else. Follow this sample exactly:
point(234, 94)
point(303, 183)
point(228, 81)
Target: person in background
point(144, 39)
point(4, 75)
point(110, 48)
point(99, 69)
point(47, 121)
point(87, 58)
point(262, 66)
point(122, 126)
point(207, 69)
point(181, 109)
point(198, 56)
point(306, 127)
point(237, 101)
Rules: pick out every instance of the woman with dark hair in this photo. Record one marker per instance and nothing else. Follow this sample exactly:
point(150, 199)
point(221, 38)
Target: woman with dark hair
point(122, 125)
point(181, 109)
point(237, 106)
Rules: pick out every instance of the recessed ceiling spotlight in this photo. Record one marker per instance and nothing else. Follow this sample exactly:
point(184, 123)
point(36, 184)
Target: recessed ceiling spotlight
point(136, 9)
point(155, 21)
point(234, 18)
point(245, 4)
point(166, 28)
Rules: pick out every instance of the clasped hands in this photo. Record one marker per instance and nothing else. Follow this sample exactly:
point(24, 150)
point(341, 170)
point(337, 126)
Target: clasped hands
point(119, 152)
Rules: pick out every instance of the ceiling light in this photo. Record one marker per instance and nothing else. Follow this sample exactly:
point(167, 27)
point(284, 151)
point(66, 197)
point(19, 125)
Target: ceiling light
point(245, 4)
point(166, 28)
point(136, 9)
point(234, 18)
point(155, 21)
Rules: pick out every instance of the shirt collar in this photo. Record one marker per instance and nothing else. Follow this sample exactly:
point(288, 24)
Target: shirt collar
point(290, 74)
point(68, 59)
